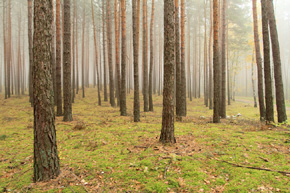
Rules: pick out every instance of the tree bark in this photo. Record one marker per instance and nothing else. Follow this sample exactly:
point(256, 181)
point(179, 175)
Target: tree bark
point(151, 58)
point(67, 104)
point(145, 58)
point(136, 15)
point(83, 53)
point(177, 61)
point(117, 38)
point(182, 63)
point(46, 160)
point(167, 131)
point(30, 42)
point(267, 64)
point(123, 107)
point(109, 34)
point(279, 88)
point(58, 61)
point(253, 82)
point(216, 63)
point(104, 54)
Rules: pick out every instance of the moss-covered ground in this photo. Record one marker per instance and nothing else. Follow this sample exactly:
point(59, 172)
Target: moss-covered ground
point(103, 152)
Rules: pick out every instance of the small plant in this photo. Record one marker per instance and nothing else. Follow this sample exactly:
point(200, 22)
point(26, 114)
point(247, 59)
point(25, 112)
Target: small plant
point(3, 137)
point(79, 126)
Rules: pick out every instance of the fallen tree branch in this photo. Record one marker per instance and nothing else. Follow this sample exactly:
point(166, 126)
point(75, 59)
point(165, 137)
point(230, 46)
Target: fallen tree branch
point(255, 168)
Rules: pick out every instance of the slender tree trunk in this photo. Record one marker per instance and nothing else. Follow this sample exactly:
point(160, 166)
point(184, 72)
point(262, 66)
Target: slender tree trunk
point(5, 48)
point(145, 58)
point(259, 63)
point(30, 42)
point(109, 34)
point(167, 131)
point(223, 60)
point(53, 58)
point(253, 82)
point(123, 107)
point(73, 50)
point(182, 64)
point(117, 44)
point(77, 57)
point(151, 58)
point(67, 104)
point(228, 68)
point(279, 88)
point(58, 61)
point(216, 63)
point(104, 54)
point(267, 64)
point(9, 52)
point(136, 15)
point(205, 60)
point(177, 60)
point(96, 55)
point(46, 160)
point(83, 54)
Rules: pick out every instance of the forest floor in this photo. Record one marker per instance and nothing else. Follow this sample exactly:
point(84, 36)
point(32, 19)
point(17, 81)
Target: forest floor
point(103, 152)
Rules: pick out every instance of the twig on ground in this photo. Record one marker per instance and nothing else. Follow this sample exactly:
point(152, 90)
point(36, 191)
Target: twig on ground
point(255, 168)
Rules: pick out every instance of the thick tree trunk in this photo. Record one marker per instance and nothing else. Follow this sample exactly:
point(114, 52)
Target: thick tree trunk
point(67, 104)
point(123, 107)
point(109, 34)
point(46, 160)
point(145, 58)
point(151, 58)
point(279, 88)
point(216, 63)
point(267, 64)
point(182, 63)
point(167, 131)
point(136, 15)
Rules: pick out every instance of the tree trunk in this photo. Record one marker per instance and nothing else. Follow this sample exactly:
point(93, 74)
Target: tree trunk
point(167, 131)
point(123, 107)
point(30, 42)
point(182, 64)
point(73, 50)
point(67, 104)
point(279, 88)
point(136, 15)
point(177, 61)
point(96, 56)
point(53, 59)
point(205, 60)
point(216, 63)
point(267, 64)
point(117, 44)
point(151, 58)
point(46, 160)
point(253, 82)
point(58, 61)
point(104, 55)
point(109, 34)
point(145, 58)
point(83, 53)
point(224, 96)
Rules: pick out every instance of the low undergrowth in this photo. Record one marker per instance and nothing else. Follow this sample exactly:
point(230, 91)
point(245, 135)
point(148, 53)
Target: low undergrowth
point(103, 152)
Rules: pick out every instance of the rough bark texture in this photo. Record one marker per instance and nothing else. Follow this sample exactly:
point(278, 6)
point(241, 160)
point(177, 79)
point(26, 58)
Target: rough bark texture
point(259, 63)
point(182, 63)
point(109, 34)
point(267, 64)
point(177, 60)
point(67, 104)
point(279, 88)
point(216, 63)
point(123, 107)
point(224, 96)
point(46, 160)
point(145, 58)
point(136, 15)
point(151, 58)
point(167, 131)
point(58, 61)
